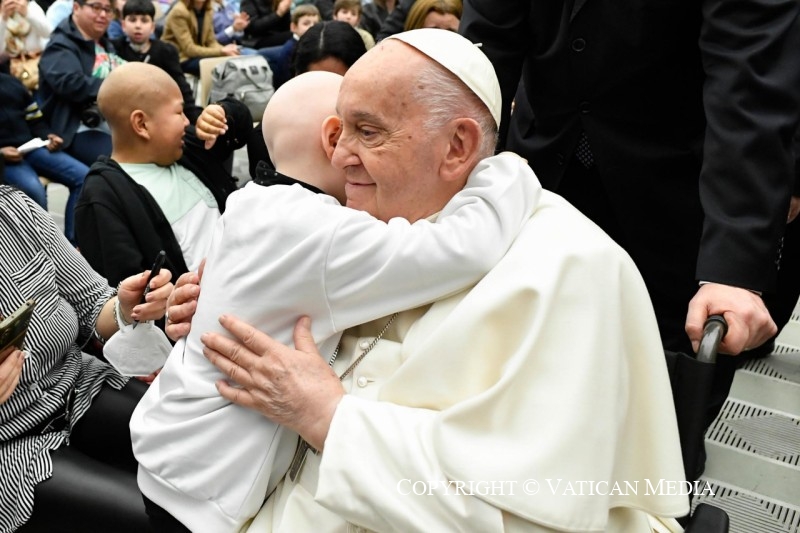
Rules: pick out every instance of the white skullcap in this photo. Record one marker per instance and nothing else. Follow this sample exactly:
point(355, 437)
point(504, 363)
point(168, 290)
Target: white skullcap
point(462, 58)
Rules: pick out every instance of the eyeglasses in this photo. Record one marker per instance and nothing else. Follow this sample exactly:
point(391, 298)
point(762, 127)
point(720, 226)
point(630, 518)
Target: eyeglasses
point(99, 8)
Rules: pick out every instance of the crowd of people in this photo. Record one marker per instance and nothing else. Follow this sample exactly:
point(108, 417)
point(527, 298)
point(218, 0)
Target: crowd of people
point(393, 293)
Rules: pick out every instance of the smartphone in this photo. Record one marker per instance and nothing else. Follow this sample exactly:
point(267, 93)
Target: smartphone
point(154, 270)
point(14, 328)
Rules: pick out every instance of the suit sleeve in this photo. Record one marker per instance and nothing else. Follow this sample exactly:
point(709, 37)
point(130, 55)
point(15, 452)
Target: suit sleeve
point(501, 28)
point(752, 102)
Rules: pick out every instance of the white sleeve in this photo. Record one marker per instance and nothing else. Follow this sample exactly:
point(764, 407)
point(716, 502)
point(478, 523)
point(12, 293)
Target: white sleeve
point(373, 270)
point(38, 22)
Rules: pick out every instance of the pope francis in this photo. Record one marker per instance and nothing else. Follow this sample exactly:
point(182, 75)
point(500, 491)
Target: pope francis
point(537, 400)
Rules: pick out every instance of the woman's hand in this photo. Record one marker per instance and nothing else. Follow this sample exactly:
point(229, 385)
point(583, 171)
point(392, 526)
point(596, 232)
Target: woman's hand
point(130, 294)
point(11, 154)
point(55, 142)
point(10, 372)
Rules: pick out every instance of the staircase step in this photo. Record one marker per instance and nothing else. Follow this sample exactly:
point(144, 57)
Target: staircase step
point(749, 512)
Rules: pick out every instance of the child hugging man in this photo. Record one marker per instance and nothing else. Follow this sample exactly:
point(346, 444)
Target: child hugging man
point(138, 44)
point(350, 11)
point(288, 249)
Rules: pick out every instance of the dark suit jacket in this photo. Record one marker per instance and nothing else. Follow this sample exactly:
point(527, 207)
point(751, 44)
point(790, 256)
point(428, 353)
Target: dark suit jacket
point(684, 103)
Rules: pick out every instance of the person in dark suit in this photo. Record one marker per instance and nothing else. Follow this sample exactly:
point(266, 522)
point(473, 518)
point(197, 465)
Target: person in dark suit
point(669, 124)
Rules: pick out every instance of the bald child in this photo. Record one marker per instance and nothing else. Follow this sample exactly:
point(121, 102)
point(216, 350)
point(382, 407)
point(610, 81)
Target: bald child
point(287, 250)
point(160, 189)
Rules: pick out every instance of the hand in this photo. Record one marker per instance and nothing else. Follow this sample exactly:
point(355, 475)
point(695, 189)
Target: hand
point(211, 124)
point(240, 21)
point(749, 322)
point(231, 49)
point(794, 209)
point(182, 304)
point(283, 8)
point(10, 372)
point(130, 294)
point(8, 8)
point(292, 387)
point(22, 7)
point(150, 377)
point(11, 154)
point(55, 142)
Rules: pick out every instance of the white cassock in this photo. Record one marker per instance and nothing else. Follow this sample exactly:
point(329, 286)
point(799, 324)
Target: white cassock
point(550, 369)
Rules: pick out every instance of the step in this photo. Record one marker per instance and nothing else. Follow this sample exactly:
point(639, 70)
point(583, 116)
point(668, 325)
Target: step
point(750, 512)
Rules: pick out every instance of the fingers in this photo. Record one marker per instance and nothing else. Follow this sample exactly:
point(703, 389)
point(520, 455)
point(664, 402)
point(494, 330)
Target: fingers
point(255, 341)
point(228, 356)
point(236, 395)
point(10, 372)
point(749, 321)
point(303, 340)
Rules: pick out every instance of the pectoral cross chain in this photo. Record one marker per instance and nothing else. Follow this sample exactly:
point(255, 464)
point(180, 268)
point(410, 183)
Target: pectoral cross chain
point(300, 454)
point(299, 459)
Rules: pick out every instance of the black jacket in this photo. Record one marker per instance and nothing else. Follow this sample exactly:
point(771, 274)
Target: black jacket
point(118, 224)
point(66, 84)
point(266, 28)
point(19, 114)
point(689, 108)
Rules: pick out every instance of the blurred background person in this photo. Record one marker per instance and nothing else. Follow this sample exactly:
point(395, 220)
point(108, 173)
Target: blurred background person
point(138, 44)
point(280, 58)
point(269, 22)
point(331, 46)
point(374, 13)
point(24, 32)
point(190, 28)
point(22, 121)
point(442, 14)
point(349, 11)
point(75, 62)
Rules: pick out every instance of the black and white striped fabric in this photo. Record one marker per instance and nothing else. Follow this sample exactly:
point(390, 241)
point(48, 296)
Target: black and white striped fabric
point(38, 262)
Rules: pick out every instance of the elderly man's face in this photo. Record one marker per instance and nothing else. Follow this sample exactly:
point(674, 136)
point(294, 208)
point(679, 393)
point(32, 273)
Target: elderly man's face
point(391, 163)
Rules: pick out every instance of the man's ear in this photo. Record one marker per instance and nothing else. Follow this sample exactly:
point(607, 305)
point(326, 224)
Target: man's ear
point(138, 121)
point(462, 149)
point(331, 130)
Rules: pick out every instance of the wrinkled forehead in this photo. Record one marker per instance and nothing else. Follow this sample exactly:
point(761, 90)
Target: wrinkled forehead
point(384, 74)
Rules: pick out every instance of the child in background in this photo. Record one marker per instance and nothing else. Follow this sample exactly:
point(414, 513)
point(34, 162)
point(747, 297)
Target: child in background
point(280, 57)
point(229, 22)
point(350, 11)
point(114, 30)
point(137, 44)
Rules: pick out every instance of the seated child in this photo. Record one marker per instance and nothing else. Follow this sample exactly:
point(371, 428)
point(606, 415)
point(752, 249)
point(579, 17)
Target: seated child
point(291, 249)
point(280, 57)
point(137, 44)
point(160, 189)
point(350, 11)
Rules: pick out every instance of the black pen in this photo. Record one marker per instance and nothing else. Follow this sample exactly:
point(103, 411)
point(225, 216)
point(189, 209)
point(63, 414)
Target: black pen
point(157, 264)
